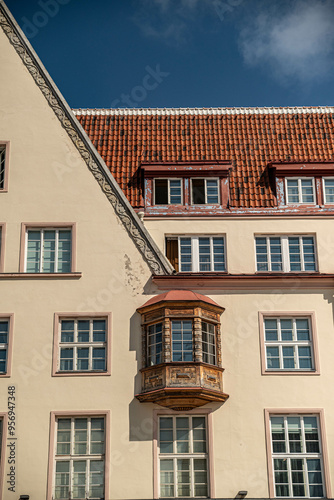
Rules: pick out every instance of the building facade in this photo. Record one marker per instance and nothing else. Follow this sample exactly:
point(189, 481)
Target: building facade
point(166, 317)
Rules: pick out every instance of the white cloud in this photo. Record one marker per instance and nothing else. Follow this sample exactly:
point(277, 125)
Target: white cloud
point(297, 45)
point(171, 20)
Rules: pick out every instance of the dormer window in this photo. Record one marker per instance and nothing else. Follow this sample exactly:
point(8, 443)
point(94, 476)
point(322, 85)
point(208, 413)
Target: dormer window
point(167, 191)
point(304, 183)
point(300, 190)
point(328, 184)
point(204, 191)
point(194, 187)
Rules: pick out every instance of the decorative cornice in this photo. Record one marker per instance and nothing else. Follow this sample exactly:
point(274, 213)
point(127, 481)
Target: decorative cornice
point(157, 262)
point(262, 281)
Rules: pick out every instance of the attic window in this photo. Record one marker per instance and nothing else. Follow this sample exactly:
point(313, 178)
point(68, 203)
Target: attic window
point(204, 191)
point(303, 183)
point(167, 191)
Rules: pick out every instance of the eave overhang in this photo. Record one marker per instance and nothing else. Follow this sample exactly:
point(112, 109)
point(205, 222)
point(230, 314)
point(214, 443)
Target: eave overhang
point(263, 281)
point(219, 168)
point(302, 168)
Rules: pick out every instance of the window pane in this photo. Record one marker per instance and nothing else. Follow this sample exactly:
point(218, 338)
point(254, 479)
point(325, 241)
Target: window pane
point(273, 358)
point(286, 329)
point(278, 435)
point(83, 331)
point(307, 191)
point(49, 251)
point(161, 191)
point(294, 254)
point(175, 191)
point(292, 190)
point(67, 331)
point(212, 191)
point(294, 433)
point(275, 254)
point(185, 254)
point(329, 190)
point(99, 330)
point(309, 253)
point(33, 251)
point(270, 328)
point(302, 327)
point(66, 359)
point(261, 254)
point(218, 254)
point(198, 191)
point(205, 263)
point(64, 251)
point(182, 344)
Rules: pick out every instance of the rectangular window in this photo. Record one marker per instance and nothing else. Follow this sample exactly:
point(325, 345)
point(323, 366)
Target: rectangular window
point(154, 344)
point(297, 456)
point(182, 340)
point(4, 339)
point(83, 345)
point(2, 166)
point(285, 253)
point(288, 343)
point(197, 253)
point(80, 458)
point(48, 250)
point(167, 191)
point(183, 456)
point(300, 190)
point(208, 343)
point(328, 186)
point(204, 191)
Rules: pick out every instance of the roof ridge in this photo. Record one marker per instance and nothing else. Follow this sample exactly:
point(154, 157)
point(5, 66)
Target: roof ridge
point(203, 111)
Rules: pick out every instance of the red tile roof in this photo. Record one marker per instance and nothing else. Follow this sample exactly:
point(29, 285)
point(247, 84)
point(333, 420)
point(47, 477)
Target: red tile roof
point(179, 295)
point(248, 137)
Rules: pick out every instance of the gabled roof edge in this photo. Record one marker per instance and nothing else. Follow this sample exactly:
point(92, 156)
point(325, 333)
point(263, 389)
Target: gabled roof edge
point(157, 262)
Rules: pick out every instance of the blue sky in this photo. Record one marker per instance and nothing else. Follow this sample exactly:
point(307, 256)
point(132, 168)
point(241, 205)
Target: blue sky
point(184, 53)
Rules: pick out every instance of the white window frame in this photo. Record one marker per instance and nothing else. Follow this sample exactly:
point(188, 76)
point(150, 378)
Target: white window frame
point(205, 190)
point(286, 343)
point(294, 455)
point(72, 457)
point(168, 179)
point(189, 456)
point(41, 261)
point(324, 189)
point(300, 202)
point(148, 335)
point(195, 264)
point(285, 252)
point(75, 345)
point(214, 345)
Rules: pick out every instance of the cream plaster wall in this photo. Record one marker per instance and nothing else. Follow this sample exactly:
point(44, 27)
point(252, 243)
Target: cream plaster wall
point(48, 182)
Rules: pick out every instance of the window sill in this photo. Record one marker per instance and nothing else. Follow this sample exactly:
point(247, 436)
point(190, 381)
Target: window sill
point(290, 372)
point(80, 374)
point(6, 276)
